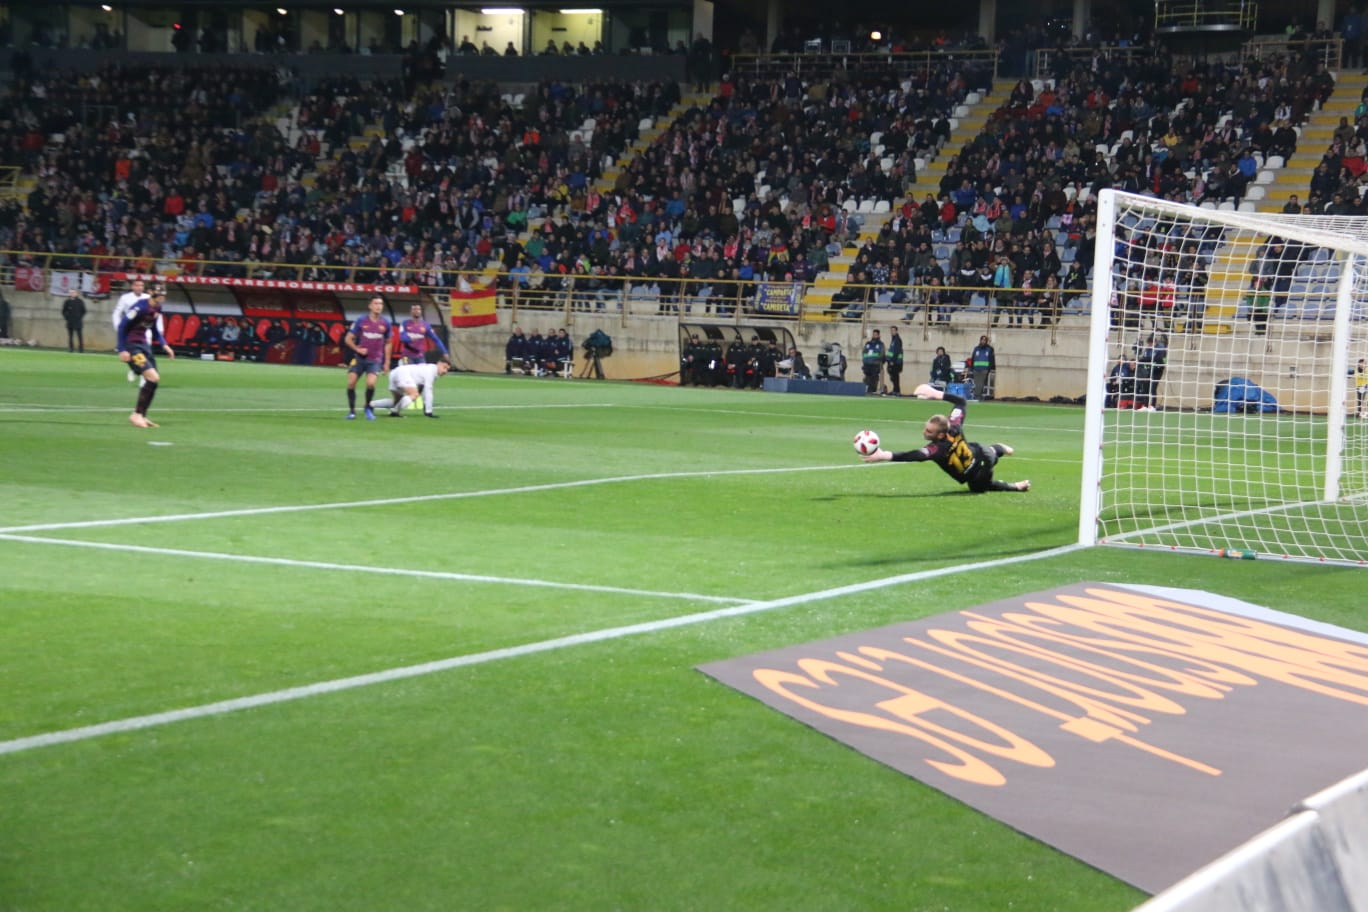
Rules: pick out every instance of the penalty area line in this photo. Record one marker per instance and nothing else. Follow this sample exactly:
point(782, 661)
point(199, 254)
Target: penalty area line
point(416, 498)
point(321, 688)
point(361, 568)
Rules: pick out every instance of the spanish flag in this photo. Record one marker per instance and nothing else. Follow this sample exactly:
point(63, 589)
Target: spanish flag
point(474, 307)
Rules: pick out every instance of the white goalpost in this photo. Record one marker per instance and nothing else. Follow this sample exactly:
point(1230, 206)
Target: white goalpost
point(1225, 409)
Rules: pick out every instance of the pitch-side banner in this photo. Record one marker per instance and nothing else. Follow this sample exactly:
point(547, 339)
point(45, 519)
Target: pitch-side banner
point(282, 284)
point(63, 283)
point(1145, 731)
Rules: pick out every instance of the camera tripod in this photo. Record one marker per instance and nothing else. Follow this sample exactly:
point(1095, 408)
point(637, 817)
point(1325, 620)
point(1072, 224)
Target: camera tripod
point(593, 364)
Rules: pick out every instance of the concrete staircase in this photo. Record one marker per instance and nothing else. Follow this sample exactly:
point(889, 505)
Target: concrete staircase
point(1228, 282)
point(648, 135)
point(968, 121)
point(1230, 269)
point(1294, 176)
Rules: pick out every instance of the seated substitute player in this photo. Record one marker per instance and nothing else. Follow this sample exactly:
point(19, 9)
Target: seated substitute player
point(968, 463)
point(367, 342)
point(417, 338)
point(407, 380)
point(139, 331)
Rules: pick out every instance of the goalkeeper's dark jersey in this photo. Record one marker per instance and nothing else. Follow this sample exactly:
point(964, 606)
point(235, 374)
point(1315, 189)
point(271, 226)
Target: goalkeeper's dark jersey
point(963, 461)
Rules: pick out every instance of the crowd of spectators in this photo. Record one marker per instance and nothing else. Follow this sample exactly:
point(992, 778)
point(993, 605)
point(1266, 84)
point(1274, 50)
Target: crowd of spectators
point(142, 164)
point(1014, 225)
point(186, 164)
point(759, 185)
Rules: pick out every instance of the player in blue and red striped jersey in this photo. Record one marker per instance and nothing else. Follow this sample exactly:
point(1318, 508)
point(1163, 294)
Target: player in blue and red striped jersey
point(367, 343)
point(139, 332)
point(417, 337)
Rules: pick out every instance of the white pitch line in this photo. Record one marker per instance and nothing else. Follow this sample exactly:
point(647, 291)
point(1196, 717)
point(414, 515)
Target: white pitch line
point(416, 498)
point(21, 409)
point(385, 571)
point(336, 685)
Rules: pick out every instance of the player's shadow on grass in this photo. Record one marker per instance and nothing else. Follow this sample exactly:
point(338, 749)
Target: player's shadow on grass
point(882, 495)
point(907, 561)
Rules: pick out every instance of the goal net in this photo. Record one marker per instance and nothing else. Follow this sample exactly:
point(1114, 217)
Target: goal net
point(1226, 408)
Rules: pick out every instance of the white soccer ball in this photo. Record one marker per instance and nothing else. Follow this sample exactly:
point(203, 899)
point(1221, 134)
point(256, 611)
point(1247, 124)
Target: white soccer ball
point(866, 442)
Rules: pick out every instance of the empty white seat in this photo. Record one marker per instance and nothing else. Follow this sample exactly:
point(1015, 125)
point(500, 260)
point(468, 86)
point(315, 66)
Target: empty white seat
point(850, 205)
point(645, 123)
point(886, 163)
point(875, 137)
point(1247, 206)
point(973, 98)
point(883, 206)
point(1264, 177)
point(1226, 206)
point(1256, 193)
point(866, 206)
point(1274, 162)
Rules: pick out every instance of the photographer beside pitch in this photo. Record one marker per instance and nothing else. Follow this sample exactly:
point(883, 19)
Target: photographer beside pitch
point(968, 463)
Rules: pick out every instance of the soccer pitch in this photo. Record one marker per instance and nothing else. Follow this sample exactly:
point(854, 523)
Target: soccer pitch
point(265, 658)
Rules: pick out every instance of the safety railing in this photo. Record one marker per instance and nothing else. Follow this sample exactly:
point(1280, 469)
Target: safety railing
point(825, 63)
point(1047, 60)
point(1214, 15)
point(619, 298)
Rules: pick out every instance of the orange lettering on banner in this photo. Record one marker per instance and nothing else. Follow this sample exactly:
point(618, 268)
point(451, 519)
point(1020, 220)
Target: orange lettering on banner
point(1120, 659)
point(1297, 658)
point(1085, 727)
point(911, 707)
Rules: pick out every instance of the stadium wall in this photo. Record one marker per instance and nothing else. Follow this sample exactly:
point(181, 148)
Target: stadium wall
point(1315, 859)
point(1031, 362)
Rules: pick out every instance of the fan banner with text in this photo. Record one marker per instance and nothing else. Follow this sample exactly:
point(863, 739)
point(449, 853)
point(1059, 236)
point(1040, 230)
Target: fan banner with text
point(1146, 731)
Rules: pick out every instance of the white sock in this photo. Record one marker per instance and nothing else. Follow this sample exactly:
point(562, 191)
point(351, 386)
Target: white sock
point(382, 403)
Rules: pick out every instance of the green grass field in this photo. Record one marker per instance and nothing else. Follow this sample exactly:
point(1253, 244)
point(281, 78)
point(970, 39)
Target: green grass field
point(573, 548)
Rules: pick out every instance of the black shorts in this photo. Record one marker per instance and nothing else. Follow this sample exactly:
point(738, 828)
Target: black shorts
point(140, 358)
point(360, 365)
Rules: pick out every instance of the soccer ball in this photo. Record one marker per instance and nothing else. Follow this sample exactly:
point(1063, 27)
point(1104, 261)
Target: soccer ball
point(866, 442)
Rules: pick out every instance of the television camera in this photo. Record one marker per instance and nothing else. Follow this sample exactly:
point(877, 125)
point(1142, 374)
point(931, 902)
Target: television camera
point(831, 362)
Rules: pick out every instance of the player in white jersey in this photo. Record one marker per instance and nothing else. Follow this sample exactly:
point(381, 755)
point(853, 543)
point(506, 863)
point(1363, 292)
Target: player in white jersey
point(126, 301)
point(405, 383)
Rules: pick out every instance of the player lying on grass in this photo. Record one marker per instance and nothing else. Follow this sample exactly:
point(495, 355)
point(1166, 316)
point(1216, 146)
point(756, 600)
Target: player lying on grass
point(407, 381)
point(968, 463)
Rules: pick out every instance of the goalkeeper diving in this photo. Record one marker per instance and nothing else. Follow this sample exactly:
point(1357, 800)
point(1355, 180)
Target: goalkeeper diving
point(408, 382)
point(968, 463)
